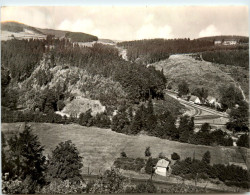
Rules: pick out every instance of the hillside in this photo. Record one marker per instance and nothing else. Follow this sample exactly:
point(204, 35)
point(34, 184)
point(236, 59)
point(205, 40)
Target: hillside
point(100, 147)
point(56, 33)
point(196, 73)
point(80, 37)
point(9, 30)
point(80, 89)
point(57, 76)
point(18, 27)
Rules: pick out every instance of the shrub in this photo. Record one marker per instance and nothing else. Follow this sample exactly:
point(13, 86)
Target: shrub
point(147, 187)
point(151, 163)
point(206, 157)
point(123, 154)
point(58, 186)
point(130, 163)
point(147, 152)
point(111, 182)
point(175, 156)
point(243, 141)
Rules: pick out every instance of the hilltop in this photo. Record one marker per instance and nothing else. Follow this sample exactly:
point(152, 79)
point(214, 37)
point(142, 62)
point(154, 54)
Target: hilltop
point(10, 30)
point(18, 27)
point(221, 37)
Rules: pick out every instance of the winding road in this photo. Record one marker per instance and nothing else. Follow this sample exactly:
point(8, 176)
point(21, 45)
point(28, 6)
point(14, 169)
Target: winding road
point(202, 114)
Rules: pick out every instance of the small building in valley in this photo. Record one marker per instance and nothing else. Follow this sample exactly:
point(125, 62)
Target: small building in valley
point(195, 99)
point(162, 167)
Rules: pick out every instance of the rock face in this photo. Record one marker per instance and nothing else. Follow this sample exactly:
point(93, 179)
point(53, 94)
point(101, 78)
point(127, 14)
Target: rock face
point(81, 105)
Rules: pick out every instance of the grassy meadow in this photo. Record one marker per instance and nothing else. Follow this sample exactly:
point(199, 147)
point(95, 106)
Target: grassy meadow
point(100, 147)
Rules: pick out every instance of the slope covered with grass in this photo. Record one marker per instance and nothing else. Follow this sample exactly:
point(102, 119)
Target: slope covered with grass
point(100, 147)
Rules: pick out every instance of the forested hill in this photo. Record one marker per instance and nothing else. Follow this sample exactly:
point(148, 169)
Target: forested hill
point(241, 39)
point(54, 70)
point(17, 27)
point(154, 50)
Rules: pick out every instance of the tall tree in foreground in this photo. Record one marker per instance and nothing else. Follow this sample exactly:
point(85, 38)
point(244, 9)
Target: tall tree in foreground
point(26, 158)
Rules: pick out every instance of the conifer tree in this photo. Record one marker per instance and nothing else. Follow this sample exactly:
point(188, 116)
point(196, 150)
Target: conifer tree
point(26, 156)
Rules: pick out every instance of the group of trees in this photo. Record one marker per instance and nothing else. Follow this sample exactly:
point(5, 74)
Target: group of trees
point(231, 98)
point(164, 126)
point(80, 37)
point(228, 57)
point(100, 120)
point(210, 138)
point(143, 119)
point(26, 170)
point(20, 57)
point(138, 81)
point(153, 50)
point(194, 169)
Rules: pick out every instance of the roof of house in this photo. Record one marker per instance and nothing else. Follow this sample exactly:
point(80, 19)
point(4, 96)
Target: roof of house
point(193, 98)
point(162, 163)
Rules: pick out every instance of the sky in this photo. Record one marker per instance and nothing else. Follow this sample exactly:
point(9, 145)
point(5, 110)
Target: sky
point(130, 23)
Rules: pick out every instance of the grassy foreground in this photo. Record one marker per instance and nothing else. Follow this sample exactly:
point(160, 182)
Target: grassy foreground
point(100, 147)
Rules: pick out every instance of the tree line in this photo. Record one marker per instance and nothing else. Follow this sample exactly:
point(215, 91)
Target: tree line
point(152, 50)
point(228, 57)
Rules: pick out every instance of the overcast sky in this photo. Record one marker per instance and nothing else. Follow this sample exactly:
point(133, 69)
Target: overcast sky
point(129, 23)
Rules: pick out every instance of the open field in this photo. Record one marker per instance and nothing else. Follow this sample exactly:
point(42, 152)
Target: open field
point(100, 147)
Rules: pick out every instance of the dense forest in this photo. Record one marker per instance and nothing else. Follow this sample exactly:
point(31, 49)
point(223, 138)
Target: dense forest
point(138, 82)
point(228, 57)
point(153, 50)
point(80, 37)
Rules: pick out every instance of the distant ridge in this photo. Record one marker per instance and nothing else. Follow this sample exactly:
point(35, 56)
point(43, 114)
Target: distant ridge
point(16, 27)
point(221, 37)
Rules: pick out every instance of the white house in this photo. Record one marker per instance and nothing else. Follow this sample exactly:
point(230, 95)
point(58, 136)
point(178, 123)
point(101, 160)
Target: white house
point(195, 99)
point(217, 42)
point(162, 167)
point(229, 42)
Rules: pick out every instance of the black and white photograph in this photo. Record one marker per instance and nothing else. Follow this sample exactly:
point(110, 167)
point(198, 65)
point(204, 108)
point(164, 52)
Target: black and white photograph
point(125, 99)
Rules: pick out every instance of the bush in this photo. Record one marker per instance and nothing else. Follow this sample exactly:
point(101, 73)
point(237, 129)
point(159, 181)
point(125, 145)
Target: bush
point(206, 157)
point(130, 163)
point(175, 156)
point(243, 141)
point(151, 163)
point(147, 152)
point(123, 154)
point(58, 186)
point(111, 182)
point(147, 187)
